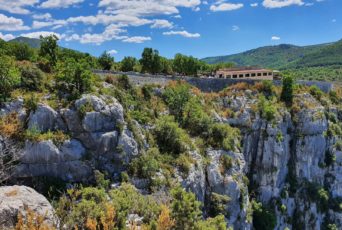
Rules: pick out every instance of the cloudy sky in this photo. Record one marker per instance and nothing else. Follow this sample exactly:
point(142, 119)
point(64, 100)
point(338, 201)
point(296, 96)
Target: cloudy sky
point(195, 27)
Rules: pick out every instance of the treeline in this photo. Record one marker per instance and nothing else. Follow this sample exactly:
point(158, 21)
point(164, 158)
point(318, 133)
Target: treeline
point(152, 62)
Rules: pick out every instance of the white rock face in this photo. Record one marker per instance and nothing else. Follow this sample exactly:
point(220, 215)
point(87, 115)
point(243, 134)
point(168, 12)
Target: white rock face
point(17, 199)
point(45, 119)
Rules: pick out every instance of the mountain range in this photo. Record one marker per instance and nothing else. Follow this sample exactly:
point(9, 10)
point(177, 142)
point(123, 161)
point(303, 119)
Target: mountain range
point(286, 56)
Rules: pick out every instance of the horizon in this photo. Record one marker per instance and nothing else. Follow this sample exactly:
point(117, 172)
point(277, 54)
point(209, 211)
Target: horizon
point(192, 27)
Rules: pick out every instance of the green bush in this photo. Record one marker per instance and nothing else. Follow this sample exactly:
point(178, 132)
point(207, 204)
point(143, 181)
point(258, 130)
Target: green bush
point(223, 136)
point(170, 137)
point(194, 117)
point(31, 103)
point(287, 90)
point(31, 77)
point(146, 165)
point(22, 51)
point(226, 162)
point(316, 92)
point(185, 209)
point(216, 223)
point(74, 78)
point(9, 77)
point(218, 204)
point(267, 110)
point(264, 218)
point(106, 61)
point(176, 96)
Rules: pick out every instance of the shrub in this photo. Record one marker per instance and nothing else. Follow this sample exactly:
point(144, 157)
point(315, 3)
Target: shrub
point(267, 88)
point(74, 78)
point(338, 145)
point(165, 222)
point(31, 77)
point(287, 90)
point(176, 95)
point(223, 136)
point(226, 162)
point(316, 92)
point(106, 61)
point(184, 164)
point(218, 204)
point(263, 217)
point(185, 209)
point(22, 51)
point(194, 117)
point(35, 135)
point(9, 77)
point(334, 97)
point(10, 125)
point(31, 102)
point(146, 165)
point(267, 110)
point(217, 223)
point(170, 137)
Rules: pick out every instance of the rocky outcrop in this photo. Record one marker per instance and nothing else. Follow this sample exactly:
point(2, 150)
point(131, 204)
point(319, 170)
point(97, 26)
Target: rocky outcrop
point(15, 200)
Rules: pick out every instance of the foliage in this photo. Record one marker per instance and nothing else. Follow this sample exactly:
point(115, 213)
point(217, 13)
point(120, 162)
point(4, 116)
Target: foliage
point(287, 90)
point(31, 102)
point(185, 65)
point(22, 51)
point(74, 78)
point(267, 109)
point(170, 137)
point(185, 209)
point(150, 61)
point(34, 134)
point(146, 165)
point(49, 48)
point(106, 61)
point(127, 64)
point(194, 117)
point(316, 92)
point(218, 204)
point(263, 217)
point(223, 136)
point(216, 223)
point(9, 77)
point(176, 96)
point(10, 125)
point(165, 221)
point(226, 162)
point(318, 194)
point(31, 77)
point(31, 221)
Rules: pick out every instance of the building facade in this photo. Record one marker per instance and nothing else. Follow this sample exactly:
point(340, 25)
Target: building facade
point(248, 72)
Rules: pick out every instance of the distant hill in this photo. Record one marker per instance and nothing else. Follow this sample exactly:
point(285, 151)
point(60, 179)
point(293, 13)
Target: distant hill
point(286, 56)
point(32, 42)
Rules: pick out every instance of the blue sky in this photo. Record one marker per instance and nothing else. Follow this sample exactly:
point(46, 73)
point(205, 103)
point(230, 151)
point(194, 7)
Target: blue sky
point(193, 27)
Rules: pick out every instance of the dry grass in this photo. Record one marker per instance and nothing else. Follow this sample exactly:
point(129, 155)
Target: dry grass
point(10, 126)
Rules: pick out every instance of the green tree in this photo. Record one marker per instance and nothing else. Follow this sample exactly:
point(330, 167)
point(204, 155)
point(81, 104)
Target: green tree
point(128, 63)
point(49, 48)
point(263, 217)
point(31, 77)
point(186, 210)
point(150, 61)
point(186, 65)
point(170, 137)
point(287, 90)
point(9, 76)
point(74, 77)
point(176, 97)
point(22, 51)
point(106, 61)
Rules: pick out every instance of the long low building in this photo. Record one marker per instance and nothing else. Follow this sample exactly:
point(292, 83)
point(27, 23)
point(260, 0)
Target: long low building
point(248, 72)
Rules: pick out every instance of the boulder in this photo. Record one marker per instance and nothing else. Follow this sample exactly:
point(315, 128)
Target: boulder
point(45, 119)
point(20, 199)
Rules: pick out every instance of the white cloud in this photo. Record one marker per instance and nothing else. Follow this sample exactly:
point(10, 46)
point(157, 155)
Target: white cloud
point(41, 33)
point(59, 3)
point(147, 7)
point(281, 3)
point(177, 16)
point(235, 28)
point(254, 4)
point(11, 23)
point(17, 6)
point(183, 33)
point(137, 39)
point(275, 38)
point(112, 52)
point(46, 16)
point(42, 24)
point(6, 37)
point(161, 23)
point(222, 6)
point(119, 19)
